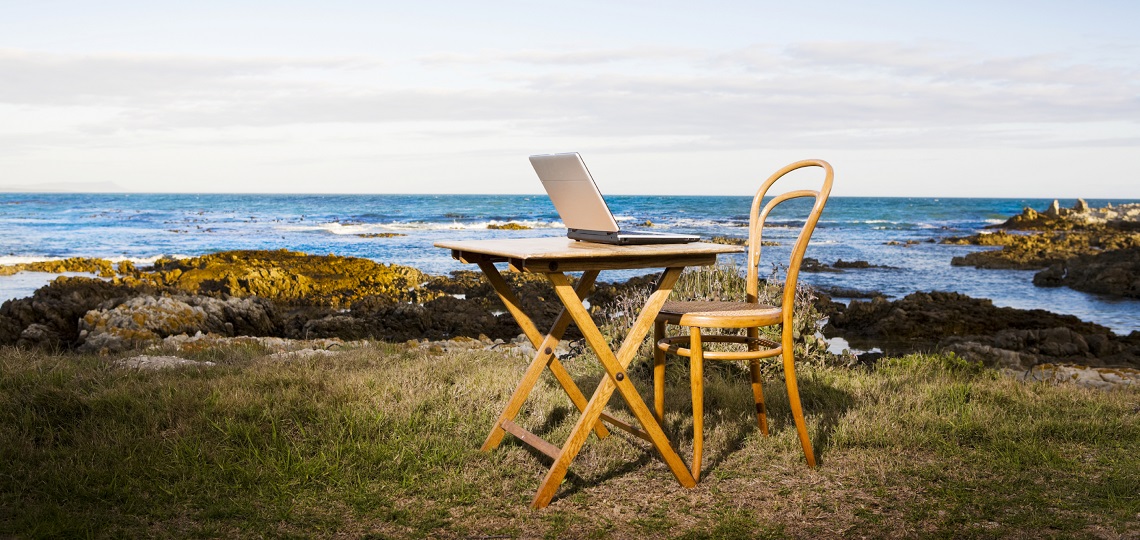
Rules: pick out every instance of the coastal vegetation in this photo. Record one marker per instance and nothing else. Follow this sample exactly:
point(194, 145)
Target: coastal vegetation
point(381, 441)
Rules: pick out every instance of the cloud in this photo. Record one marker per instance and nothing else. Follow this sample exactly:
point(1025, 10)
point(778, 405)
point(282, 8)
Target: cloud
point(586, 57)
point(33, 78)
point(845, 94)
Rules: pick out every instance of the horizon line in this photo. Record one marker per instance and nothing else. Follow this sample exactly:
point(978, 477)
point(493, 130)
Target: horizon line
point(333, 194)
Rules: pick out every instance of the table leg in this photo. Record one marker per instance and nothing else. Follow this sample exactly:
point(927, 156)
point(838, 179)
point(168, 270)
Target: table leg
point(615, 366)
point(542, 359)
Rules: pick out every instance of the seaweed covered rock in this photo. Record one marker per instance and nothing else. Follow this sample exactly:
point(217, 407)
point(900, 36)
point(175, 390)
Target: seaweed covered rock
point(509, 226)
point(292, 278)
point(1088, 249)
point(1024, 251)
point(102, 267)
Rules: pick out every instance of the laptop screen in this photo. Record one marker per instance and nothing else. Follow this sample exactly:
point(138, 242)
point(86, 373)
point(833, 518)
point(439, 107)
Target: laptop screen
point(572, 190)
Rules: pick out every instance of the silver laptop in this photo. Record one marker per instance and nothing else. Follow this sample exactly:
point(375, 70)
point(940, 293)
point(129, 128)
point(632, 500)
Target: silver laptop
point(582, 208)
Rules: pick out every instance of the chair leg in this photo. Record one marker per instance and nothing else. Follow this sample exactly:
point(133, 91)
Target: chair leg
point(696, 378)
point(758, 396)
point(658, 373)
point(794, 400)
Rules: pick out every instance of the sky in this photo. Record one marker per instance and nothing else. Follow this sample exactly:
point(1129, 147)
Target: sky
point(933, 99)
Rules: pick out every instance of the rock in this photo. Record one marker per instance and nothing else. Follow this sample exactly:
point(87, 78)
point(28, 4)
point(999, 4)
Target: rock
point(976, 329)
point(281, 294)
point(146, 320)
point(1089, 377)
point(291, 278)
point(200, 341)
point(40, 335)
point(739, 241)
point(1055, 218)
point(923, 317)
point(1054, 209)
point(159, 362)
point(58, 306)
point(442, 318)
point(344, 327)
point(847, 292)
point(996, 238)
point(728, 240)
point(523, 347)
point(511, 226)
point(140, 322)
point(127, 268)
point(842, 264)
point(1070, 236)
point(302, 354)
point(102, 267)
point(251, 316)
point(1115, 273)
point(811, 265)
point(992, 357)
point(1022, 251)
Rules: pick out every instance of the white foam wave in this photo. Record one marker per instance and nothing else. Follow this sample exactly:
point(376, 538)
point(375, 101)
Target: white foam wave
point(696, 223)
point(8, 260)
point(366, 228)
point(18, 259)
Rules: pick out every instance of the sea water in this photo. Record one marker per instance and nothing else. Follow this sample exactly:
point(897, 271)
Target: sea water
point(144, 227)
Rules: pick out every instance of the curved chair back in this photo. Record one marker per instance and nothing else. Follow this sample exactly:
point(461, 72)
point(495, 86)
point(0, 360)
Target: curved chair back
point(756, 228)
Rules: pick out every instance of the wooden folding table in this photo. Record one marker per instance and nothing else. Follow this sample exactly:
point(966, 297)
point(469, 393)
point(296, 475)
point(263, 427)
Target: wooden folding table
point(553, 257)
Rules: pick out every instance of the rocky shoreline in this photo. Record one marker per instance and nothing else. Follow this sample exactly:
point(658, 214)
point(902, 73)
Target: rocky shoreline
point(999, 337)
point(284, 295)
point(1095, 250)
point(269, 294)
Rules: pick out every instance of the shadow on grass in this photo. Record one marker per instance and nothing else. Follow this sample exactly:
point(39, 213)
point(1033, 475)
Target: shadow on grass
point(822, 402)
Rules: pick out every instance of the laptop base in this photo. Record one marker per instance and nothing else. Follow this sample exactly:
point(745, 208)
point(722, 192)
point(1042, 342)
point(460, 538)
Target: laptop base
point(621, 238)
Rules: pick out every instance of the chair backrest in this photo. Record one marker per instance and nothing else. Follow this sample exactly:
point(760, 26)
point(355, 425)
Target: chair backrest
point(756, 227)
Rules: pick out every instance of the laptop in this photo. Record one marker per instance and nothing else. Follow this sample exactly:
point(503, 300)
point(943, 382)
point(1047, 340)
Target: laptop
point(582, 208)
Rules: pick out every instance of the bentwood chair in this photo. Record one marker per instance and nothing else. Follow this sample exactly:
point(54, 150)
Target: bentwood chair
point(749, 315)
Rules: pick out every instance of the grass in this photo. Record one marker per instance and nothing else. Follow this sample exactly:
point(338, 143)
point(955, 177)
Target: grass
point(382, 442)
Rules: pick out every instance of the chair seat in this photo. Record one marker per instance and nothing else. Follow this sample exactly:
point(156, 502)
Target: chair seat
point(715, 314)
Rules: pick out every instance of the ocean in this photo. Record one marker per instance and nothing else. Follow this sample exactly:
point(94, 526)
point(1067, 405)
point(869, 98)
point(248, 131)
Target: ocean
point(144, 227)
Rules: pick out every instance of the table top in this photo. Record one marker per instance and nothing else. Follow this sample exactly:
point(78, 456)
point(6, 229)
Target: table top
point(563, 254)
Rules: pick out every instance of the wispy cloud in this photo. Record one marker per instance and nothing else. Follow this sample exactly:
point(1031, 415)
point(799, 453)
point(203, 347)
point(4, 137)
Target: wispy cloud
point(849, 94)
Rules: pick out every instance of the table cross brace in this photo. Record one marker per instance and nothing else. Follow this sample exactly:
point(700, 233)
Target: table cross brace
point(542, 359)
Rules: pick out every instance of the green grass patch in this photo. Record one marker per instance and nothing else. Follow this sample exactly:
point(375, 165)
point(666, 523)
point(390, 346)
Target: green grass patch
point(382, 442)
